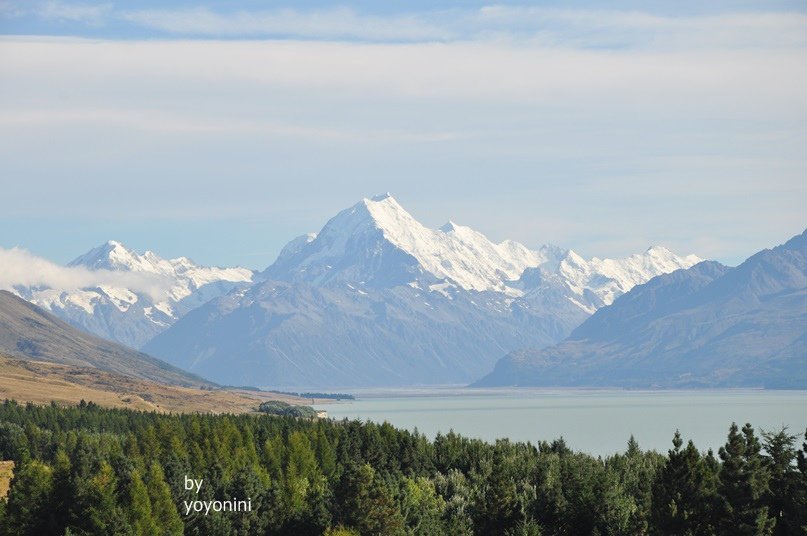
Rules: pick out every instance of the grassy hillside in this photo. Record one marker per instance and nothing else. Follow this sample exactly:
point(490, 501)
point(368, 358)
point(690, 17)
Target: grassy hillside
point(41, 382)
point(29, 332)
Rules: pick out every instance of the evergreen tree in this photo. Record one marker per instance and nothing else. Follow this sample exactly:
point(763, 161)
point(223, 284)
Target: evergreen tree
point(139, 507)
point(528, 527)
point(683, 493)
point(743, 482)
point(633, 449)
point(28, 510)
point(163, 508)
point(799, 521)
point(421, 507)
point(86, 470)
point(780, 455)
point(366, 504)
point(64, 494)
point(497, 508)
point(301, 471)
point(102, 514)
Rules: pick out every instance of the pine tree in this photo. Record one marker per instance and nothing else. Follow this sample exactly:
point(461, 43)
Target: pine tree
point(139, 507)
point(163, 509)
point(683, 492)
point(326, 455)
point(28, 510)
point(633, 447)
point(497, 507)
point(300, 471)
point(422, 508)
point(780, 455)
point(63, 491)
point(101, 513)
point(800, 493)
point(743, 482)
point(365, 503)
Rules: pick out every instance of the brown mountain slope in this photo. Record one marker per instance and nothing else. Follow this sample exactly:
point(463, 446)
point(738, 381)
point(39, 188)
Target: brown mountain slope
point(42, 382)
point(29, 332)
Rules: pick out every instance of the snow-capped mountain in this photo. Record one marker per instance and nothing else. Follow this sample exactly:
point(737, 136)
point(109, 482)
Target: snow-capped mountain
point(377, 298)
point(594, 283)
point(377, 243)
point(707, 326)
point(170, 288)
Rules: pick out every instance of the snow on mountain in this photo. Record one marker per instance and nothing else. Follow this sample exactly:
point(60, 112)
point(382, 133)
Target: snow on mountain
point(376, 298)
point(352, 245)
point(706, 326)
point(294, 247)
point(594, 283)
point(185, 276)
point(130, 316)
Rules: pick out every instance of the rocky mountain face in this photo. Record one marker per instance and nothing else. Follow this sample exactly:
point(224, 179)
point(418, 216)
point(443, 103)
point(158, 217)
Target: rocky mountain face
point(376, 298)
point(131, 316)
point(705, 326)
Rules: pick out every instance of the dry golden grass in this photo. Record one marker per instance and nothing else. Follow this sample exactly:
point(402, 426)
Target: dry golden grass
point(6, 474)
point(41, 382)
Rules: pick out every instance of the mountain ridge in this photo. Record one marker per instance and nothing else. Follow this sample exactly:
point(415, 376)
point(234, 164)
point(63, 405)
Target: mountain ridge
point(133, 316)
point(29, 332)
point(706, 326)
point(376, 298)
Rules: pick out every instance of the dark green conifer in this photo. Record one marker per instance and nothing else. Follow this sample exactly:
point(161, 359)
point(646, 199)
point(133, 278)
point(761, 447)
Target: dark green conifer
point(683, 493)
point(28, 511)
point(742, 486)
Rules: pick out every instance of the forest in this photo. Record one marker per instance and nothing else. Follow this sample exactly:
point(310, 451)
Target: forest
point(88, 470)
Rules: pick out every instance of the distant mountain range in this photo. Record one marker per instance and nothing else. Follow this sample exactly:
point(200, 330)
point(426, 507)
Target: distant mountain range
point(376, 298)
point(130, 316)
point(706, 326)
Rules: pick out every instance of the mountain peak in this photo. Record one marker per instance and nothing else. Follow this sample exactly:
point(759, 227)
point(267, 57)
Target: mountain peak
point(382, 202)
point(111, 255)
point(377, 237)
point(388, 215)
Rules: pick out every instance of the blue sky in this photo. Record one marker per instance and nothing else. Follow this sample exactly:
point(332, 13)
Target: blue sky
point(222, 130)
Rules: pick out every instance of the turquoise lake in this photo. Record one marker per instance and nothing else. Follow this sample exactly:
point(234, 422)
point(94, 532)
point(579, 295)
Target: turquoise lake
point(598, 422)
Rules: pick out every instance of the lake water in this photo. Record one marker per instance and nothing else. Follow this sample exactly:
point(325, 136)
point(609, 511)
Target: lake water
point(598, 422)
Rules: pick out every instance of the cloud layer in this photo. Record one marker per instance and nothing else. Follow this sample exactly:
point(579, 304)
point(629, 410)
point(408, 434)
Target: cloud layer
point(604, 130)
point(20, 267)
point(548, 25)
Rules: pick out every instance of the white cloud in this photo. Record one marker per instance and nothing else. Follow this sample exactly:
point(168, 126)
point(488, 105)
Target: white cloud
point(20, 267)
point(636, 29)
point(682, 131)
point(171, 123)
point(548, 26)
point(581, 28)
point(470, 71)
point(328, 24)
point(92, 14)
point(10, 9)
